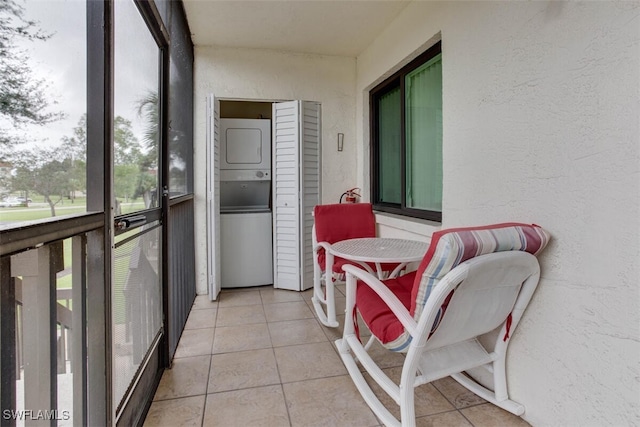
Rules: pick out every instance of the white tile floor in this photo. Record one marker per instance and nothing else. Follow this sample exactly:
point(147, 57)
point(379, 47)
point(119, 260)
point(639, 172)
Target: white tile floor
point(259, 357)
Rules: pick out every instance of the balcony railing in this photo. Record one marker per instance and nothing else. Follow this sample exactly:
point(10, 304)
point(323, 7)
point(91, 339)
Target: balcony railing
point(53, 339)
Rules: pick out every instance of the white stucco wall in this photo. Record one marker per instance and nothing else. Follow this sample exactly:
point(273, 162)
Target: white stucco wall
point(262, 75)
point(541, 124)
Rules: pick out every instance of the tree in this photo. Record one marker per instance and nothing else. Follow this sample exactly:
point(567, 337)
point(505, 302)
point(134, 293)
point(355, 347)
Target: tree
point(148, 111)
point(75, 149)
point(134, 171)
point(148, 108)
point(76, 145)
point(125, 180)
point(22, 96)
point(44, 172)
point(58, 172)
point(126, 150)
point(127, 156)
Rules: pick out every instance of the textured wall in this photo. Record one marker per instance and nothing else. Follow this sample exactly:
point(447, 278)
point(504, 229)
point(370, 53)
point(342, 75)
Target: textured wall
point(266, 76)
point(541, 124)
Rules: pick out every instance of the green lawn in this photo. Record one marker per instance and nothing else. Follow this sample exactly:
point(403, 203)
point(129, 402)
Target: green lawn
point(38, 211)
point(33, 214)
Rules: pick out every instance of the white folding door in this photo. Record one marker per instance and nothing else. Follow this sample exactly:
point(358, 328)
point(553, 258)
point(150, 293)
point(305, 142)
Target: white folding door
point(213, 197)
point(296, 190)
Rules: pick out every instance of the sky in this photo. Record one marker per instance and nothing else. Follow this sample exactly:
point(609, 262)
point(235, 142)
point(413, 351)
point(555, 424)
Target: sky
point(61, 62)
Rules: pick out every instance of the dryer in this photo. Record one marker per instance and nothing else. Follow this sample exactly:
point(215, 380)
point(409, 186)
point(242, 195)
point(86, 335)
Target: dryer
point(245, 144)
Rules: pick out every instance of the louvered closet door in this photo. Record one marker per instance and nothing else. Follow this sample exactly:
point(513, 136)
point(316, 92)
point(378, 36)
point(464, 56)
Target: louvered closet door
point(310, 181)
point(213, 197)
point(296, 190)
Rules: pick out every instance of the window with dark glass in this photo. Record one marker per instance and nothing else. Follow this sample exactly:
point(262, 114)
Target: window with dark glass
point(406, 132)
point(180, 110)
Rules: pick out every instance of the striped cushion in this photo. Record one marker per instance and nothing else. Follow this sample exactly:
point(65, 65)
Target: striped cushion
point(449, 248)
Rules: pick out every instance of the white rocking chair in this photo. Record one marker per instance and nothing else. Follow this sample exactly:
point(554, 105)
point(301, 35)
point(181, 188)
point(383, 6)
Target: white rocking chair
point(334, 223)
point(472, 282)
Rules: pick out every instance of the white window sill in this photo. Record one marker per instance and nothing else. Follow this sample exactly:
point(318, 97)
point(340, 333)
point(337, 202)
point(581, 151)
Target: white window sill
point(421, 227)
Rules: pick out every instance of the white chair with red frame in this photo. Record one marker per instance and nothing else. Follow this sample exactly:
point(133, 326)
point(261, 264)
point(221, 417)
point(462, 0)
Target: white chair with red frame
point(453, 316)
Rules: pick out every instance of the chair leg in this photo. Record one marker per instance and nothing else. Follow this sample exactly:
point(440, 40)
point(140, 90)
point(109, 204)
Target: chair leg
point(491, 383)
point(350, 348)
point(407, 408)
point(370, 342)
point(354, 355)
point(368, 345)
point(331, 299)
point(322, 301)
point(499, 396)
point(410, 369)
point(326, 297)
point(488, 395)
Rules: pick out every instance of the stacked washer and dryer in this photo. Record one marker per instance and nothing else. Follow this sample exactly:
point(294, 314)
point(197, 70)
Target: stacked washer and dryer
point(245, 203)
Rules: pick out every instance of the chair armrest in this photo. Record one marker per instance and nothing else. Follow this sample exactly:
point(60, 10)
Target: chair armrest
point(324, 245)
point(387, 296)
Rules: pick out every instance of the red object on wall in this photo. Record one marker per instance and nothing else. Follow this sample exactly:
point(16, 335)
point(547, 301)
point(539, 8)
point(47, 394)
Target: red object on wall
point(350, 196)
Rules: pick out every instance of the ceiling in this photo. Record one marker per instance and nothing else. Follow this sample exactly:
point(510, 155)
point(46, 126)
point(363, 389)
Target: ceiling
point(325, 27)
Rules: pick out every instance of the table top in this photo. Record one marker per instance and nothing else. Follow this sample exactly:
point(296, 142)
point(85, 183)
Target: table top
point(380, 250)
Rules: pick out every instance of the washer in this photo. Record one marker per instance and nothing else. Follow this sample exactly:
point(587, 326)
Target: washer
point(247, 248)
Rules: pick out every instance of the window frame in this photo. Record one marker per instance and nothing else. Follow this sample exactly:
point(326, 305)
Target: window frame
point(396, 80)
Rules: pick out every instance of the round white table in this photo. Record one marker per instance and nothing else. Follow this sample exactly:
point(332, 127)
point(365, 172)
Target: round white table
point(380, 250)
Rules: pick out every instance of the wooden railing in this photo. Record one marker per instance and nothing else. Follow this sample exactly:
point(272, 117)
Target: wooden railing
point(45, 319)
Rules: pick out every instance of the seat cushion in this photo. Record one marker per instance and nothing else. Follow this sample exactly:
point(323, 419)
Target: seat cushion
point(376, 314)
point(343, 221)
